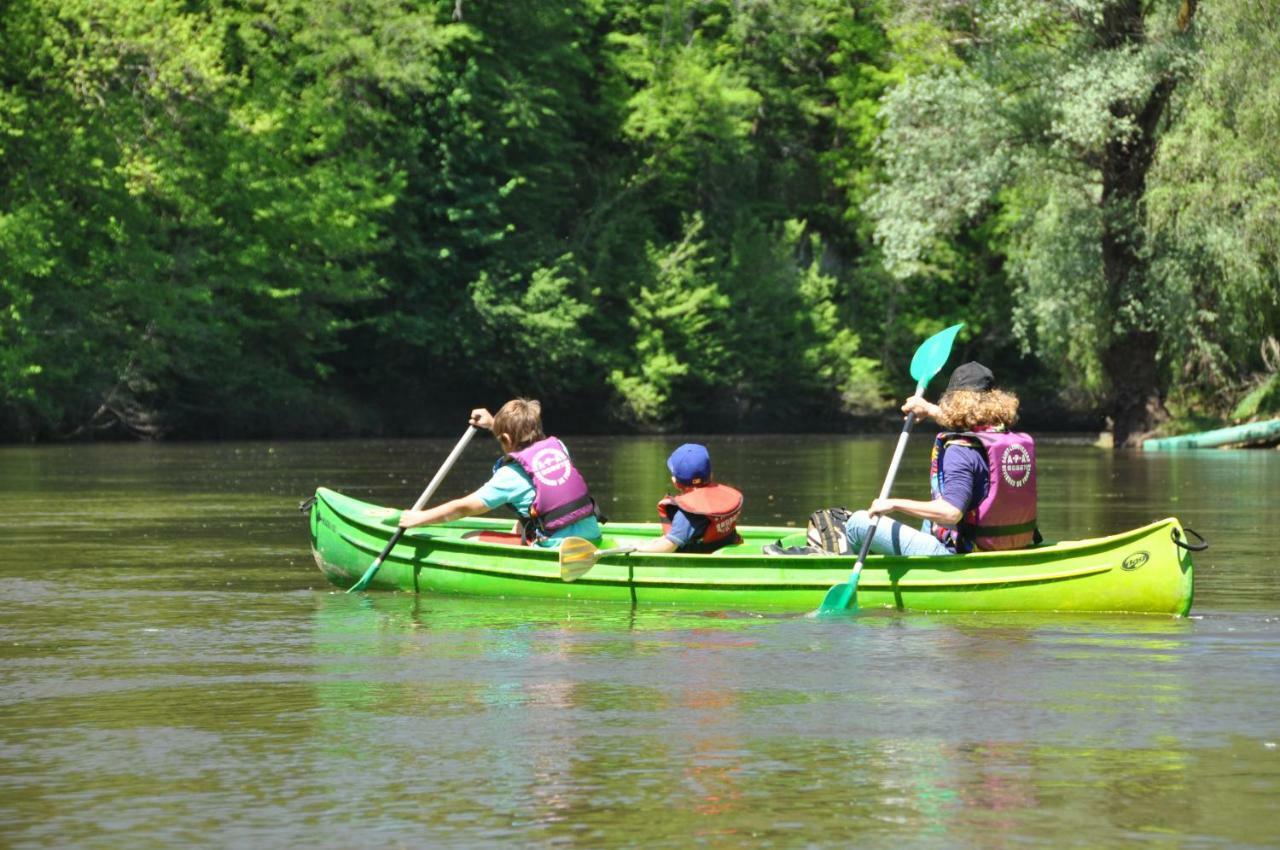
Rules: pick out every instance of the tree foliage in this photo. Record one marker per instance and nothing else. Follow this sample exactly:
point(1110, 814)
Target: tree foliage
point(311, 216)
point(1047, 118)
point(1215, 215)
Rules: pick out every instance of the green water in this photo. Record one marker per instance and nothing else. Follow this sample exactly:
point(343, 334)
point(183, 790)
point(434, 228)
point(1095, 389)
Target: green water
point(174, 672)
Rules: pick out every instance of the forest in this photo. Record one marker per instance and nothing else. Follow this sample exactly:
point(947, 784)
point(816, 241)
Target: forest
point(302, 218)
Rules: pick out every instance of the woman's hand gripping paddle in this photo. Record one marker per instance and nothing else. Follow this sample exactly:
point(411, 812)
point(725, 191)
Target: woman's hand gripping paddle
point(417, 506)
point(578, 555)
point(929, 358)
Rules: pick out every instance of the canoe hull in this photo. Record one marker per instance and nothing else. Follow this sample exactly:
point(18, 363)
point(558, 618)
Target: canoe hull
point(1140, 571)
point(1252, 433)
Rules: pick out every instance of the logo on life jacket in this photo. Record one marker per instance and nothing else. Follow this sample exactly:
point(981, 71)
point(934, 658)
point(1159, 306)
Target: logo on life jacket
point(722, 527)
point(1015, 465)
point(551, 466)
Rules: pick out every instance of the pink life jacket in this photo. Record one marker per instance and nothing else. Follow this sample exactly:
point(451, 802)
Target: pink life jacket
point(720, 504)
point(1006, 517)
point(560, 496)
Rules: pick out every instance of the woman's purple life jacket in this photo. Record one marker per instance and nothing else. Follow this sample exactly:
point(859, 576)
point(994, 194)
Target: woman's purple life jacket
point(560, 493)
point(1006, 517)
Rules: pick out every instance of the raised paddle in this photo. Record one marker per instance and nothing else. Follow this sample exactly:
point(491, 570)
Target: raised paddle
point(422, 500)
point(929, 358)
point(578, 555)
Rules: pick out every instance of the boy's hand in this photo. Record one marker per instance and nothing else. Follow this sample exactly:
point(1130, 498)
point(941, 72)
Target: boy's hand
point(482, 418)
point(408, 519)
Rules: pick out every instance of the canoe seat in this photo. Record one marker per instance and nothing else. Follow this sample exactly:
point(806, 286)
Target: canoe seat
point(505, 538)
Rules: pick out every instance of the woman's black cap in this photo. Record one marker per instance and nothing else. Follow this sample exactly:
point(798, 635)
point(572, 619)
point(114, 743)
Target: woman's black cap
point(971, 376)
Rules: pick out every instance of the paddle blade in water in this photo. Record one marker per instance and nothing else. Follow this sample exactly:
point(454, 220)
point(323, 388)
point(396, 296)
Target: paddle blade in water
point(840, 599)
point(366, 578)
point(377, 563)
point(576, 557)
point(932, 354)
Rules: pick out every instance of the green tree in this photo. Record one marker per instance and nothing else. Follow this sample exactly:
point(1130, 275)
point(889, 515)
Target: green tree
point(487, 291)
point(756, 118)
point(192, 196)
point(221, 218)
point(1215, 215)
point(1049, 115)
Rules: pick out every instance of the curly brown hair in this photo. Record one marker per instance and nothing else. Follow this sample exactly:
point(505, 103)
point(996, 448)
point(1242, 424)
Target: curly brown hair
point(964, 410)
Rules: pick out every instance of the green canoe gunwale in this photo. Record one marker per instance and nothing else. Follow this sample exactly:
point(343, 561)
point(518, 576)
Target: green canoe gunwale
point(1096, 575)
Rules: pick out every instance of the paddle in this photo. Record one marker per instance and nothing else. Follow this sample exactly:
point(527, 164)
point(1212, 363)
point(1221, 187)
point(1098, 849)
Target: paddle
point(929, 358)
point(578, 555)
point(422, 500)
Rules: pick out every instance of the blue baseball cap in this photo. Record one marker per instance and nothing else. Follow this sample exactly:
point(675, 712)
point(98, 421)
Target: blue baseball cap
point(690, 464)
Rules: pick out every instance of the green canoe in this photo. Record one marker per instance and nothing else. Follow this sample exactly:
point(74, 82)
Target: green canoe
point(1139, 571)
point(1238, 435)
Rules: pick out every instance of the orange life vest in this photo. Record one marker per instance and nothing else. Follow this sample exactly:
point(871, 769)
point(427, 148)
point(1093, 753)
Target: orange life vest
point(719, 504)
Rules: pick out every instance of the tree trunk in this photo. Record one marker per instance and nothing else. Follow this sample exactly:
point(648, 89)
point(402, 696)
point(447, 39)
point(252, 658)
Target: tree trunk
point(1129, 356)
point(1135, 406)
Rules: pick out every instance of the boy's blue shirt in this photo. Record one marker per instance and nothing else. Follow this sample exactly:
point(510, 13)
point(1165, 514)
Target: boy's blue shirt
point(685, 529)
point(511, 485)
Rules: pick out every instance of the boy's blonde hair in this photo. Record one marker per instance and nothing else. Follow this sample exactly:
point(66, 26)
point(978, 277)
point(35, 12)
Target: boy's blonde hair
point(521, 420)
point(964, 410)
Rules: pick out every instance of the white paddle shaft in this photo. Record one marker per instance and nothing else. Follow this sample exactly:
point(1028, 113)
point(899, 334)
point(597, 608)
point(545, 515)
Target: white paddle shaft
point(444, 468)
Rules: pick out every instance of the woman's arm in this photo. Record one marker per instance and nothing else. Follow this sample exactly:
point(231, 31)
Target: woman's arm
point(939, 511)
point(467, 506)
point(922, 408)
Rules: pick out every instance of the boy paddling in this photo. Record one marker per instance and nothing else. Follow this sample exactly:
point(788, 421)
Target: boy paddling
point(535, 477)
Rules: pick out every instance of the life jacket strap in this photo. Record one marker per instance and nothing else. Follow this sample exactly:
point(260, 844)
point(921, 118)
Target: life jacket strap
point(564, 510)
point(1002, 530)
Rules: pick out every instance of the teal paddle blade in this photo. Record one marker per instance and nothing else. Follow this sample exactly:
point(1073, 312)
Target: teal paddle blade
point(840, 599)
point(932, 354)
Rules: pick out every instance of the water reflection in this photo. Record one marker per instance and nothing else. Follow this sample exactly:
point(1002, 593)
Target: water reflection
point(168, 678)
point(955, 730)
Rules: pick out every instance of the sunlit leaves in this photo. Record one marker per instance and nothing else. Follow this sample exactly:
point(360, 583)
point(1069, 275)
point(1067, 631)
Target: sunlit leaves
point(213, 206)
point(1215, 210)
point(1047, 123)
point(947, 149)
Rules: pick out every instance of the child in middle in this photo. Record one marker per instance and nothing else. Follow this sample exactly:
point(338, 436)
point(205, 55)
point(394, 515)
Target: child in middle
point(703, 515)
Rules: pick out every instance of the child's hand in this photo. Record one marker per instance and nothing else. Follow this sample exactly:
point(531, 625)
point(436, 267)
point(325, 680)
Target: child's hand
point(408, 519)
point(482, 418)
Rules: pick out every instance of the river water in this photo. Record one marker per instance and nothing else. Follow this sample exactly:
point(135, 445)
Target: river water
point(175, 672)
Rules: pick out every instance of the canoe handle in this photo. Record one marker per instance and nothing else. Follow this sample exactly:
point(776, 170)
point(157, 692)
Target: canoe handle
point(1190, 547)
